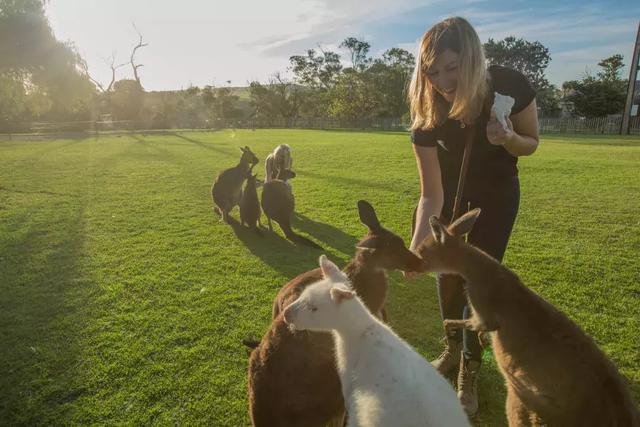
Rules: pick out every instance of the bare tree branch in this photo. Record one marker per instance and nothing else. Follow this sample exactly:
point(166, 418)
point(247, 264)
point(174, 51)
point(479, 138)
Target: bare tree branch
point(133, 53)
point(85, 69)
point(114, 67)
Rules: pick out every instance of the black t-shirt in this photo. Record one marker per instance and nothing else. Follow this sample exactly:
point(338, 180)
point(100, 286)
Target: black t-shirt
point(489, 164)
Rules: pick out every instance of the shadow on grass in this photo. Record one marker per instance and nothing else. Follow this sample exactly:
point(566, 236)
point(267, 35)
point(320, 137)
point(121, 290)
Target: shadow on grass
point(225, 151)
point(326, 233)
point(414, 314)
point(44, 192)
point(40, 318)
point(348, 182)
point(276, 251)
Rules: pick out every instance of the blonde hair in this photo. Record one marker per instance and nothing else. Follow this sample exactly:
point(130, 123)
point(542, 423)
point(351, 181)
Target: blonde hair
point(428, 108)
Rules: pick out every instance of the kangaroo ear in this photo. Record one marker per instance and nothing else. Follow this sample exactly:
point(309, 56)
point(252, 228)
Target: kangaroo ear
point(369, 243)
point(340, 294)
point(464, 224)
point(368, 216)
point(243, 149)
point(329, 269)
point(438, 230)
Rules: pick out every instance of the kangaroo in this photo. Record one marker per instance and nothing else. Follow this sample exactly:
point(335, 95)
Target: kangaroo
point(555, 374)
point(293, 379)
point(227, 188)
point(249, 204)
point(278, 204)
point(385, 382)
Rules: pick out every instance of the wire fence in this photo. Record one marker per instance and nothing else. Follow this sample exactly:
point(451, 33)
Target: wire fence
point(35, 130)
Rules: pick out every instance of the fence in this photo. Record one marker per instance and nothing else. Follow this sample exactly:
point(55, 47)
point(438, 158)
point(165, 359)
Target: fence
point(598, 125)
point(602, 125)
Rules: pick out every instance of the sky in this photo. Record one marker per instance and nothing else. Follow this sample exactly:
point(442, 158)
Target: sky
point(200, 42)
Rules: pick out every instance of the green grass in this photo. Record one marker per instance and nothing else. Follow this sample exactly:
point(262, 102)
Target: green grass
point(124, 300)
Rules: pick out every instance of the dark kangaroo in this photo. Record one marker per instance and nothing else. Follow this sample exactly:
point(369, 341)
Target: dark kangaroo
point(555, 374)
point(293, 380)
point(249, 204)
point(278, 204)
point(227, 188)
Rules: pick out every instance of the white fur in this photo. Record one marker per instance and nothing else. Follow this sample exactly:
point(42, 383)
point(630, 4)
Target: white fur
point(385, 382)
point(279, 158)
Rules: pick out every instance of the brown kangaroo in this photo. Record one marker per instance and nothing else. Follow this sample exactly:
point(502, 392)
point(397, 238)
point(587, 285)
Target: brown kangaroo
point(227, 188)
point(555, 374)
point(278, 204)
point(293, 379)
point(249, 204)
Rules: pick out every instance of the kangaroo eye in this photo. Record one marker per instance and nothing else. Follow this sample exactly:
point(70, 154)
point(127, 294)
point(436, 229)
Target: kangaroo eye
point(313, 308)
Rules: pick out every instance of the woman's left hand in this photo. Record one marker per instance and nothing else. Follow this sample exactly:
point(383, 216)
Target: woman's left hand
point(496, 134)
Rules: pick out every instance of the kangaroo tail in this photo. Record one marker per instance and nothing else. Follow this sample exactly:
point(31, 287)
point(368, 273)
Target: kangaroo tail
point(298, 239)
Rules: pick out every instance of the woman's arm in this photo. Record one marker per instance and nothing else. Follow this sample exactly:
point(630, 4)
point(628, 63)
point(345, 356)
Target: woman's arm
point(521, 139)
point(431, 194)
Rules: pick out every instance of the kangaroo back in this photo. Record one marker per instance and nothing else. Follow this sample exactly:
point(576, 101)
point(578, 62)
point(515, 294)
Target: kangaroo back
point(278, 204)
point(249, 204)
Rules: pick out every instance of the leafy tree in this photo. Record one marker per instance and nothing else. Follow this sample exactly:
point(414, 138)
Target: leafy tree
point(46, 69)
point(225, 103)
point(277, 99)
point(358, 50)
point(531, 59)
point(354, 96)
point(391, 75)
point(601, 95)
point(317, 71)
point(127, 99)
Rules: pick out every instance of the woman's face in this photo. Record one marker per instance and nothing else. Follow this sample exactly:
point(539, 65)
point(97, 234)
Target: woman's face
point(443, 74)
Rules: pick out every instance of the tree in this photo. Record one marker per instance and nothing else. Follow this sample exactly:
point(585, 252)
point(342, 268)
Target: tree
point(611, 69)
point(353, 97)
point(531, 59)
point(41, 74)
point(391, 75)
point(358, 50)
point(279, 98)
point(601, 95)
point(317, 71)
point(127, 99)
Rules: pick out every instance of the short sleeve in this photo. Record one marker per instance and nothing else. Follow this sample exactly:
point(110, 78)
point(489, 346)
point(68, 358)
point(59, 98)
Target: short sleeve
point(514, 84)
point(424, 137)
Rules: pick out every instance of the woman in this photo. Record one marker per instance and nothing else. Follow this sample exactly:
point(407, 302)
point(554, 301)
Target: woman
point(452, 88)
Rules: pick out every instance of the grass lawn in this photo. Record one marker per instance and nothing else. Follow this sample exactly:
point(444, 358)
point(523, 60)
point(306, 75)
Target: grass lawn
point(124, 300)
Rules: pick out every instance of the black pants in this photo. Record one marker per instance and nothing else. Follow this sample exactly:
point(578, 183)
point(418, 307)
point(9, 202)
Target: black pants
point(491, 232)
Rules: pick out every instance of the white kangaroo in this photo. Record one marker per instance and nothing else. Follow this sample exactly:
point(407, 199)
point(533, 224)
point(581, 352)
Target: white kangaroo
point(385, 382)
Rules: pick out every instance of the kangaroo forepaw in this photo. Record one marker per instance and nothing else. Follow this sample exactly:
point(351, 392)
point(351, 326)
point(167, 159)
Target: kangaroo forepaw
point(451, 325)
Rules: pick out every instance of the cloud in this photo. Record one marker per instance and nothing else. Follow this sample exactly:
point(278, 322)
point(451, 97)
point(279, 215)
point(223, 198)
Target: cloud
point(203, 41)
point(333, 20)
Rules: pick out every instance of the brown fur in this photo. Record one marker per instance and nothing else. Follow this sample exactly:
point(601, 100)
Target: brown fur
point(250, 205)
point(555, 374)
point(227, 188)
point(293, 380)
point(278, 204)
